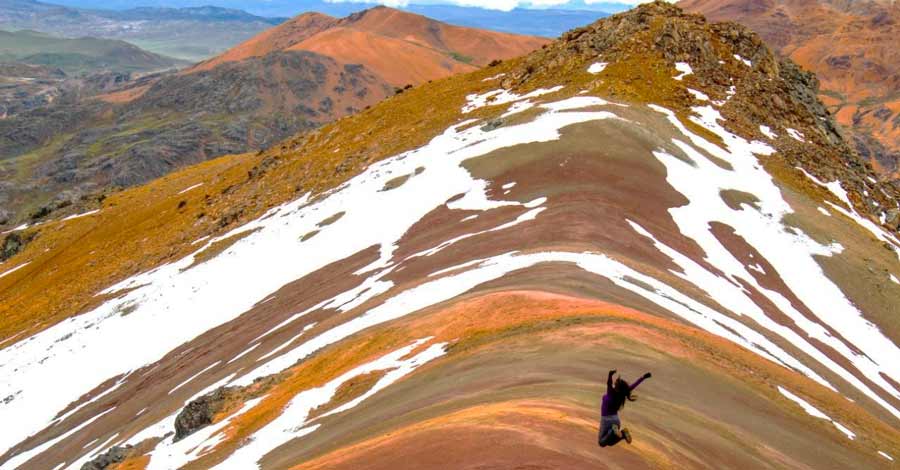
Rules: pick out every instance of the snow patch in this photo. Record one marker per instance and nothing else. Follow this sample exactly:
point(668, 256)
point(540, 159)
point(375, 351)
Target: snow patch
point(885, 456)
point(90, 443)
point(795, 134)
point(684, 68)
point(813, 411)
point(867, 224)
point(850, 212)
point(190, 188)
point(16, 229)
point(191, 378)
point(10, 271)
point(517, 108)
point(576, 102)
point(699, 95)
point(597, 67)
point(743, 60)
point(76, 216)
point(243, 353)
point(498, 97)
point(766, 131)
point(527, 216)
point(536, 202)
point(287, 343)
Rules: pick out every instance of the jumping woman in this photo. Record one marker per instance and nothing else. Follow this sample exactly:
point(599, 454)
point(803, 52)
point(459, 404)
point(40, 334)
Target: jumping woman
point(611, 430)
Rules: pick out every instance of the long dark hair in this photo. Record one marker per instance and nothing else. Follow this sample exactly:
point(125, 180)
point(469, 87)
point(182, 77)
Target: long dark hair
point(620, 393)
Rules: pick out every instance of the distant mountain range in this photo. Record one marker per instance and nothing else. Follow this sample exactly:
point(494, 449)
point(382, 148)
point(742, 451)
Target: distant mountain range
point(280, 8)
point(81, 55)
point(195, 31)
point(190, 33)
point(548, 23)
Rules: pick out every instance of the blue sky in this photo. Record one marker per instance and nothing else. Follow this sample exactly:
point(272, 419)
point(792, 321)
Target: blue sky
point(340, 7)
point(503, 5)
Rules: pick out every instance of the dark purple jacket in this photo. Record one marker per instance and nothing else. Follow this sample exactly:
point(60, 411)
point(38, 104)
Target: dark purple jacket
point(606, 407)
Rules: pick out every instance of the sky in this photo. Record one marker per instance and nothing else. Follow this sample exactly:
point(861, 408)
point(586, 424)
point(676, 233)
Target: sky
point(504, 5)
point(291, 7)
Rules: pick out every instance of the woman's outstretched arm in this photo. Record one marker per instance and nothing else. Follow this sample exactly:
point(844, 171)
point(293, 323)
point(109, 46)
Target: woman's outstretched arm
point(645, 376)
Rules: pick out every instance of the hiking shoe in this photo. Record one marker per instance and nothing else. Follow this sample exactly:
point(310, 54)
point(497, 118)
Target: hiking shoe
point(627, 435)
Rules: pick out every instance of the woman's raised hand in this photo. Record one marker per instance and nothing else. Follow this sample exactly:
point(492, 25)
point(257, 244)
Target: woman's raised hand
point(648, 375)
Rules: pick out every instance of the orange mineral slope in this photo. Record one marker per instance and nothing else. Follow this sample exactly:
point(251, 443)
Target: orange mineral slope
point(397, 61)
point(480, 45)
point(401, 47)
point(544, 415)
point(271, 40)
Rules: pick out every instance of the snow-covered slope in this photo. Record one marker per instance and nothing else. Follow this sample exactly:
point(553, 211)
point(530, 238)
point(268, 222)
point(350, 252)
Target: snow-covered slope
point(448, 288)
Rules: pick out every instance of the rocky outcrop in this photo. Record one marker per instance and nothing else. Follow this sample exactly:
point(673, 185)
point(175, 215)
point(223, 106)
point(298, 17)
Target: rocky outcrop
point(109, 458)
point(14, 243)
point(200, 412)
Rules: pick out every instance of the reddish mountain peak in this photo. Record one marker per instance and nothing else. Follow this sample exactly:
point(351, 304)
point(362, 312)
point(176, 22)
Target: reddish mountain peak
point(399, 46)
point(478, 46)
point(397, 61)
point(279, 38)
point(388, 20)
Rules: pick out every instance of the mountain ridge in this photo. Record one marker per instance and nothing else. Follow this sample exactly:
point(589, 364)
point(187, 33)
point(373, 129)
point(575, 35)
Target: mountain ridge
point(445, 278)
